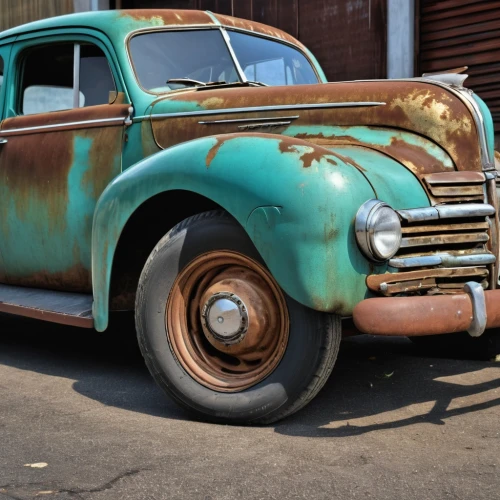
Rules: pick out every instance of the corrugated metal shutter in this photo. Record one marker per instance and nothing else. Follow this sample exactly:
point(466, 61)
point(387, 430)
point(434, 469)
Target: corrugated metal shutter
point(457, 33)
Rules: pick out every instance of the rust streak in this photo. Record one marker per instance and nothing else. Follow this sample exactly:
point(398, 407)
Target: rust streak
point(214, 150)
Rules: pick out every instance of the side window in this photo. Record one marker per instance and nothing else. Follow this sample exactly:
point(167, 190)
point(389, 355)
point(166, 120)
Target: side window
point(64, 76)
point(47, 79)
point(96, 79)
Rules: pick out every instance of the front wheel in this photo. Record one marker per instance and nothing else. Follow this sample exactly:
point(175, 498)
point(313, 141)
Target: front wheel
point(220, 336)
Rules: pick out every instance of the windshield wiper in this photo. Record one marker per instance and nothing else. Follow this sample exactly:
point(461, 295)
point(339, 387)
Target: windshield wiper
point(197, 83)
point(186, 81)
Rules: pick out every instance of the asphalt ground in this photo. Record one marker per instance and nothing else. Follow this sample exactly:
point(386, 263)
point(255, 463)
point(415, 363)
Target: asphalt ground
point(389, 424)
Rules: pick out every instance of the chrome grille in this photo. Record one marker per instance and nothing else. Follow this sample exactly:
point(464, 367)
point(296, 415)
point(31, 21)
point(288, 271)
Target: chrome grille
point(446, 245)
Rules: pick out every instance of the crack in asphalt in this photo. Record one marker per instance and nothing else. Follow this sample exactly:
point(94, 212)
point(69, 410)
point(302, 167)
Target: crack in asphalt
point(106, 486)
point(71, 491)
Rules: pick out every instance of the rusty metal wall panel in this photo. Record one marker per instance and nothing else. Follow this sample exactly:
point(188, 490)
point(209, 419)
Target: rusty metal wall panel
point(219, 6)
point(15, 12)
point(455, 33)
point(347, 36)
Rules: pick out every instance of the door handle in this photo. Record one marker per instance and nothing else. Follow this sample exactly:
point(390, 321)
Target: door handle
point(3, 141)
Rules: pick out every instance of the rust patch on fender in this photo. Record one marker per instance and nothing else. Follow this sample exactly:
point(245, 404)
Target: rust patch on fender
point(416, 158)
point(214, 150)
point(285, 145)
point(312, 153)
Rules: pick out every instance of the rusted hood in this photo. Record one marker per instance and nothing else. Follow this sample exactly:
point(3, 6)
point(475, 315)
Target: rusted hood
point(419, 107)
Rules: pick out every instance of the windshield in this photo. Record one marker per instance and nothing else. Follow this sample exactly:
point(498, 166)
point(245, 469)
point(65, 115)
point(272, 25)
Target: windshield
point(270, 62)
point(165, 55)
point(162, 58)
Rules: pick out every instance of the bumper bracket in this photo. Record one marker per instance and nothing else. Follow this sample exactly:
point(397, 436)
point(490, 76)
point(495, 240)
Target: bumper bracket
point(479, 314)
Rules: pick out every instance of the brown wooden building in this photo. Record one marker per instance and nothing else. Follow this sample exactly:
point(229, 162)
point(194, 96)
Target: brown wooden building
point(352, 39)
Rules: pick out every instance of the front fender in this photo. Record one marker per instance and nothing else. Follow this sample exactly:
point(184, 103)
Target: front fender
point(296, 200)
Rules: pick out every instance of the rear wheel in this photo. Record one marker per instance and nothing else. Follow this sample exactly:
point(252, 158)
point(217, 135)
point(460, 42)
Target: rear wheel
point(220, 336)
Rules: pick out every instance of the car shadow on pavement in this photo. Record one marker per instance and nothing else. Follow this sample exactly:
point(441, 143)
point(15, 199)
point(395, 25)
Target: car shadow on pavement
point(106, 367)
point(384, 383)
point(377, 383)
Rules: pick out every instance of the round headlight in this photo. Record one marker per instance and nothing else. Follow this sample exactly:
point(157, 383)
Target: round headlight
point(378, 230)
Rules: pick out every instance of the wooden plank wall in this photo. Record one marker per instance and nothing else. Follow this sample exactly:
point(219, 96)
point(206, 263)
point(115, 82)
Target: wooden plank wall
point(347, 36)
point(15, 12)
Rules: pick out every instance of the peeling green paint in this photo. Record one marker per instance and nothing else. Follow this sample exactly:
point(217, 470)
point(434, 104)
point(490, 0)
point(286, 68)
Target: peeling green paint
point(377, 136)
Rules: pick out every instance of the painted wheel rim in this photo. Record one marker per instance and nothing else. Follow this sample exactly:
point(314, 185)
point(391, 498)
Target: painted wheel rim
point(227, 321)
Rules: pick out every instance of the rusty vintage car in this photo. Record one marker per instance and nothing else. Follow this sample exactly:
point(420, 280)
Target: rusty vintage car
point(199, 170)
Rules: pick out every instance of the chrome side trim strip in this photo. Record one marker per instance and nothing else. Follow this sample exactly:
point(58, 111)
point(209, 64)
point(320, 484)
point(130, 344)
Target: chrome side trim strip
point(247, 120)
point(479, 314)
point(251, 126)
point(60, 125)
point(443, 259)
point(446, 212)
point(254, 109)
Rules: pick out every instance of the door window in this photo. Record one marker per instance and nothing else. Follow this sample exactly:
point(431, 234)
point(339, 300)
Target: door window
point(64, 76)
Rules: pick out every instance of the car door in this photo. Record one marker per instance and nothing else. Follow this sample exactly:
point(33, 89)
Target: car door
point(63, 138)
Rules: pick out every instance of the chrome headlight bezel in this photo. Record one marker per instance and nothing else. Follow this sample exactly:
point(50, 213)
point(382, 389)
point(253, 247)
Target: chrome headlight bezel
point(366, 230)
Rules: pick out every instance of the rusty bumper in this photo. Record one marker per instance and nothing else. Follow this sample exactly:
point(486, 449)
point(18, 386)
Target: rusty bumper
point(429, 315)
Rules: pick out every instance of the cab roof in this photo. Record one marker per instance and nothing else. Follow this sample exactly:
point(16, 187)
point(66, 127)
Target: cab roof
point(117, 24)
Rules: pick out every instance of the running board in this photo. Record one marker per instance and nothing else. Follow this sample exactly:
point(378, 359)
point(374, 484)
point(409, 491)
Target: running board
point(57, 307)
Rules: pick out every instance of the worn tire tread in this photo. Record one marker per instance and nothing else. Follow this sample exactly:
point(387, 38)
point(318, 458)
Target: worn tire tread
point(329, 352)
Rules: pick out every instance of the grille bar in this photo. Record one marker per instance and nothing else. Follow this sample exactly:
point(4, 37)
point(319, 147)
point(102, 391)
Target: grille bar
point(444, 259)
point(446, 212)
point(446, 228)
point(444, 239)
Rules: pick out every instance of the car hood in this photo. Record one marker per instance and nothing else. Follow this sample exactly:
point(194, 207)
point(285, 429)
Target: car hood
point(313, 112)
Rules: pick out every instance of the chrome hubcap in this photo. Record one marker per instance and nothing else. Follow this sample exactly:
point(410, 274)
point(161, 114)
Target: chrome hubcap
point(225, 316)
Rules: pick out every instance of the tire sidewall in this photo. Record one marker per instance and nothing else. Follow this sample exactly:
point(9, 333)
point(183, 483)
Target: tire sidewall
point(295, 370)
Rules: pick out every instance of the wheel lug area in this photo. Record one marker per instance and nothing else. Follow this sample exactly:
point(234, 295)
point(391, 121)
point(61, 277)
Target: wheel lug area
point(225, 317)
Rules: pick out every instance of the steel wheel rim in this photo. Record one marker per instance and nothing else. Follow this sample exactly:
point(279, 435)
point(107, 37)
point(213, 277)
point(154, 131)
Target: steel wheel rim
point(247, 345)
